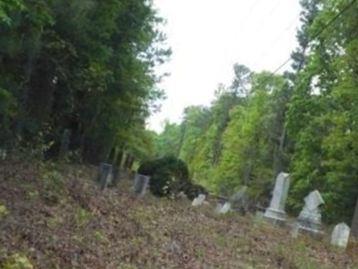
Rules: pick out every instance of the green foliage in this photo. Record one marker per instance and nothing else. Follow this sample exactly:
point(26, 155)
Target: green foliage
point(86, 66)
point(168, 143)
point(237, 140)
point(17, 261)
point(82, 217)
point(323, 114)
point(303, 122)
point(3, 211)
point(169, 176)
point(53, 185)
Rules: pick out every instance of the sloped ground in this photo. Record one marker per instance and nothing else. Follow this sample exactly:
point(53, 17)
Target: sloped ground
point(58, 218)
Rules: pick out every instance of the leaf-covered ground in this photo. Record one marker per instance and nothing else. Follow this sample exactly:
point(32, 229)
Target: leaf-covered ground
point(56, 217)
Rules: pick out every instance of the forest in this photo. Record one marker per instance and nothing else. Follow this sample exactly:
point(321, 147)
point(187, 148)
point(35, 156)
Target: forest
point(79, 75)
point(303, 121)
point(78, 83)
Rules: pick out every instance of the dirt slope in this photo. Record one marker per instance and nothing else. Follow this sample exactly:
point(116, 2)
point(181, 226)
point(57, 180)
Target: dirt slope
point(56, 217)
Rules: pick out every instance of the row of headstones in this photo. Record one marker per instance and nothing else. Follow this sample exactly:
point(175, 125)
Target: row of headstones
point(309, 219)
point(109, 176)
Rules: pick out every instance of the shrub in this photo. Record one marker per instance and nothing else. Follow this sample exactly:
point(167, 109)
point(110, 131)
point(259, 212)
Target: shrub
point(169, 176)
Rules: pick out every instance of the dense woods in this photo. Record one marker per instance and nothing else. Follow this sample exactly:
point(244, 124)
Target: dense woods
point(79, 75)
point(304, 122)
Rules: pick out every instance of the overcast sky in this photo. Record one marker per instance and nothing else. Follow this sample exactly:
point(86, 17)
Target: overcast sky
point(208, 36)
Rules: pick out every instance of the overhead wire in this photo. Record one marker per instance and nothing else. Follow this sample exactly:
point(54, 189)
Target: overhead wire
point(319, 32)
point(278, 37)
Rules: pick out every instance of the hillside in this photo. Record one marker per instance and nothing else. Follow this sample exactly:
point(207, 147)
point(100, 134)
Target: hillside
point(56, 217)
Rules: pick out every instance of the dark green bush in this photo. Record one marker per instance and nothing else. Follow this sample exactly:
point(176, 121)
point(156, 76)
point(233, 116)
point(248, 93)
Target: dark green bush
point(169, 176)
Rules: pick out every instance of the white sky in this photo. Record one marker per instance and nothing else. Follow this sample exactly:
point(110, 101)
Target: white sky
point(208, 36)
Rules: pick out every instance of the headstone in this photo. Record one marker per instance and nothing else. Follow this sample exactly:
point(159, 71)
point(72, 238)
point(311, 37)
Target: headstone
point(310, 217)
point(105, 175)
point(276, 210)
point(65, 143)
point(354, 227)
point(182, 195)
point(225, 208)
point(199, 200)
point(141, 183)
point(340, 235)
point(239, 201)
point(3, 154)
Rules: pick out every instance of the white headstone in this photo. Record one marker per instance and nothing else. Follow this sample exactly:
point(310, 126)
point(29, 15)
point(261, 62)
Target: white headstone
point(199, 200)
point(310, 216)
point(223, 209)
point(340, 235)
point(105, 175)
point(276, 210)
point(141, 183)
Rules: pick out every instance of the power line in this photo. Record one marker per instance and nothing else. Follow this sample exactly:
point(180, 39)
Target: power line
point(278, 38)
point(243, 24)
point(319, 32)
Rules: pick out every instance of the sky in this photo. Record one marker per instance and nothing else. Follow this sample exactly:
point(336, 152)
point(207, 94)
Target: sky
point(208, 37)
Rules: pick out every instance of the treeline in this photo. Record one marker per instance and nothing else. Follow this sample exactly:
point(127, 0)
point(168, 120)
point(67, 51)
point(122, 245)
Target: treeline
point(79, 73)
point(304, 122)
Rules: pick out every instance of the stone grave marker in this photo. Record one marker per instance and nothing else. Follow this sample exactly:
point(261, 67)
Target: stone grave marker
point(340, 235)
point(354, 227)
point(65, 143)
point(225, 208)
point(3, 154)
point(105, 175)
point(310, 217)
point(141, 183)
point(276, 211)
point(199, 200)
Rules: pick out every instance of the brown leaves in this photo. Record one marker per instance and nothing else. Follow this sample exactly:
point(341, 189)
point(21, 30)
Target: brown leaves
point(88, 228)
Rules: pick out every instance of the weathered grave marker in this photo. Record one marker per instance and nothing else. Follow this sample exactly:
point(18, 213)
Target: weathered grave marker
point(199, 200)
point(340, 235)
point(310, 217)
point(3, 154)
point(276, 210)
point(65, 143)
point(105, 175)
point(225, 208)
point(141, 183)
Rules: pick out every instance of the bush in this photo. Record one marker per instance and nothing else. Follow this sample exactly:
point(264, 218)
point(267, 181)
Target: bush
point(169, 176)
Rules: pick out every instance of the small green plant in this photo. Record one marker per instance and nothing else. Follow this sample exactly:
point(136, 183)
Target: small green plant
point(100, 236)
point(53, 185)
point(17, 261)
point(82, 217)
point(3, 211)
point(55, 221)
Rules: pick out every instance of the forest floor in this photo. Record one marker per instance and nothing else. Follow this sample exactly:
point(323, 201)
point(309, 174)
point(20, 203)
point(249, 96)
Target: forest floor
point(55, 216)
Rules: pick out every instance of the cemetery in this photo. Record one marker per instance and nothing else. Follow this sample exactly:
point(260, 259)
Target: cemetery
point(75, 217)
point(152, 134)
